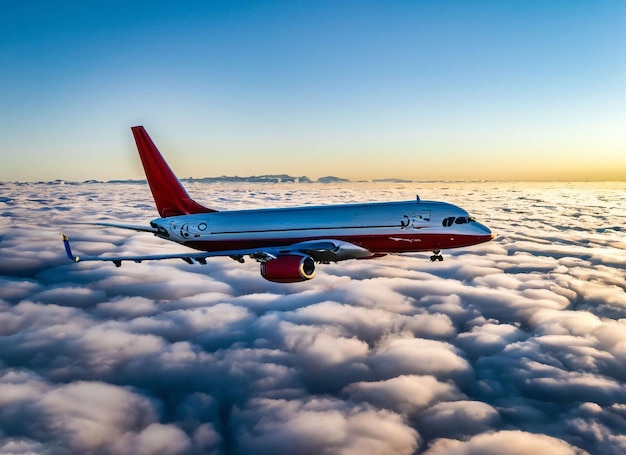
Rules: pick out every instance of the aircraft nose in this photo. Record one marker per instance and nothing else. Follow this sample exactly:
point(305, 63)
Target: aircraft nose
point(484, 230)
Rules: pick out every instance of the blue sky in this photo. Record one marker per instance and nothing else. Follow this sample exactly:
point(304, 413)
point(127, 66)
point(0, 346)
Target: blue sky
point(419, 90)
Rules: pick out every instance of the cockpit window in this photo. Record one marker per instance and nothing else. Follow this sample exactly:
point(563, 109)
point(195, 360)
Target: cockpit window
point(447, 222)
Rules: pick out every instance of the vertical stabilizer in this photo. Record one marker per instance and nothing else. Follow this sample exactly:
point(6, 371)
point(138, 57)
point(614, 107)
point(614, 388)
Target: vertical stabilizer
point(170, 196)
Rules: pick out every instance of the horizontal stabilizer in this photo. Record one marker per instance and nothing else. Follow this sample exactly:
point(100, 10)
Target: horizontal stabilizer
point(131, 227)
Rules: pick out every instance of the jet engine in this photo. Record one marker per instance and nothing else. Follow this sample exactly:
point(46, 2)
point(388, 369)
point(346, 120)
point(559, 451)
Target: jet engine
point(288, 268)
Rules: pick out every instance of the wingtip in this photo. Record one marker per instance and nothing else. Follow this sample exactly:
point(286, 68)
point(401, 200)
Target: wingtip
point(68, 249)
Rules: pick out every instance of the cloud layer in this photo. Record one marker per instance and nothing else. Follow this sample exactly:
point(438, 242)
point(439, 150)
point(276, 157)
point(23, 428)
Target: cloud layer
point(517, 343)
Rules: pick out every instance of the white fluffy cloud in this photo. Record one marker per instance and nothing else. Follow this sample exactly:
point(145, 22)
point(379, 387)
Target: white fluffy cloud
point(321, 426)
point(510, 442)
point(517, 343)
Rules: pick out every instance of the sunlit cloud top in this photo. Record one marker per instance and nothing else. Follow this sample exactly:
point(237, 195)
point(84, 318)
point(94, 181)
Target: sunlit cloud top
point(516, 343)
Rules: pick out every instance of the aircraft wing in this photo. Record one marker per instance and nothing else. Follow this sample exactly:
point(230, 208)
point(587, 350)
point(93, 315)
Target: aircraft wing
point(320, 250)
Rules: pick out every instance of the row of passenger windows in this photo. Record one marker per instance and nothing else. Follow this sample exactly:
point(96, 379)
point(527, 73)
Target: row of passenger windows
point(447, 222)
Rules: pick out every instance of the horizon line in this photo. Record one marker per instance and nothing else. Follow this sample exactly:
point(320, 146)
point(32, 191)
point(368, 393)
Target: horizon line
point(272, 179)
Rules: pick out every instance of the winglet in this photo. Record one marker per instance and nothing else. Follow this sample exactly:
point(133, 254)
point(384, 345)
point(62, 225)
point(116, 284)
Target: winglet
point(170, 196)
point(68, 249)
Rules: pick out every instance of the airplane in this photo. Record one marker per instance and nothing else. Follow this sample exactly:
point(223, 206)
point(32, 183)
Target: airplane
point(289, 242)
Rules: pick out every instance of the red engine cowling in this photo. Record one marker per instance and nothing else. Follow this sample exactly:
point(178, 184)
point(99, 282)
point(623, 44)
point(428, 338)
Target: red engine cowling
point(288, 268)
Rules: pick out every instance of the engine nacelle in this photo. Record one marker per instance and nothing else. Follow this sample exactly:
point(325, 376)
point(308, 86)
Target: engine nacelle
point(288, 268)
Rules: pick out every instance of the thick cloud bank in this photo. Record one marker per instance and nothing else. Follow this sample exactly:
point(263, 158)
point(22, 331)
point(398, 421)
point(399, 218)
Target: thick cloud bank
point(518, 345)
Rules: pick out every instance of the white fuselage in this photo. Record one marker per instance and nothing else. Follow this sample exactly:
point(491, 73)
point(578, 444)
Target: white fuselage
point(382, 227)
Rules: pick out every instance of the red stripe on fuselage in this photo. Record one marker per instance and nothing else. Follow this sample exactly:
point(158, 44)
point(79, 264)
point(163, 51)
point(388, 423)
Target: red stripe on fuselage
point(384, 243)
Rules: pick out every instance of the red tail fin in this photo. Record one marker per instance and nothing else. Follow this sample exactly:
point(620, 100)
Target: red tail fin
point(169, 195)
